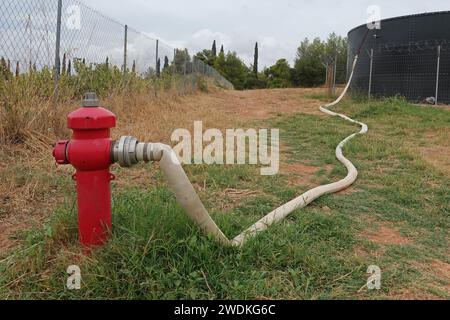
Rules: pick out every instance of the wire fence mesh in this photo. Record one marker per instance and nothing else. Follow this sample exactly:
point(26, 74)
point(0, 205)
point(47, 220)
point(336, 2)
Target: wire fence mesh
point(418, 71)
point(29, 40)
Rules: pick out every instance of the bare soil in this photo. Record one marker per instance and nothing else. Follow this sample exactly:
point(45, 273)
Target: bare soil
point(386, 234)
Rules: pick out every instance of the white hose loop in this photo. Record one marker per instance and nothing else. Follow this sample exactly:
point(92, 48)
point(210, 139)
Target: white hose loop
point(189, 200)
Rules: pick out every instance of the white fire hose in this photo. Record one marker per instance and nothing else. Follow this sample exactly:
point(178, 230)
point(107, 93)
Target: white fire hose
point(128, 151)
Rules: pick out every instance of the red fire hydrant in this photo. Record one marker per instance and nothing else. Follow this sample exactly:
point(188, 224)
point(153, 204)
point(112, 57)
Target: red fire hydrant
point(89, 152)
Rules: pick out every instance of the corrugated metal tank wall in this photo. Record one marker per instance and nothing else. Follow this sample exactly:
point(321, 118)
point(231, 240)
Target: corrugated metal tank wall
point(405, 57)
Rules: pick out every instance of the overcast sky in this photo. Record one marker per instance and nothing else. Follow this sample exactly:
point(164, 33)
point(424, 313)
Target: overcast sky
point(278, 25)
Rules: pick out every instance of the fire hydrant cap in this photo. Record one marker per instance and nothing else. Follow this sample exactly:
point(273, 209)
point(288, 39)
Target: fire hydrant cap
point(90, 100)
point(91, 119)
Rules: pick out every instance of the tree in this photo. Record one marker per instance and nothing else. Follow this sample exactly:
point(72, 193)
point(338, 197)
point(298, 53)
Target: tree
point(309, 71)
point(233, 69)
point(206, 56)
point(64, 63)
point(5, 69)
point(181, 60)
point(166, 64)
point(158, 68)
point(214, 49)
point(255, 61)
point(314, 57)
point(336, 52)
point(279, 75)
point(221, 50)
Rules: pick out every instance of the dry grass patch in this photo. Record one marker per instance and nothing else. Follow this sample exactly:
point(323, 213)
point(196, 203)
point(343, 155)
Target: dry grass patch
point(437, 149)
point(266, 103)
point(412, 294)
point(387, 234)
point(302, 174)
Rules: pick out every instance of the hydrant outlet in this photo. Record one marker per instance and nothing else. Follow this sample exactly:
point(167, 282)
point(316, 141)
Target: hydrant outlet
point(60, 152)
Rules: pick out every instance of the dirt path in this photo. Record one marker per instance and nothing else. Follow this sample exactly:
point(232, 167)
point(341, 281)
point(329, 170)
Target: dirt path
point(265, 104)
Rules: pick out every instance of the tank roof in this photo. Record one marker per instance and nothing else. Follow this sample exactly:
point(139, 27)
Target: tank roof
point(405, 17)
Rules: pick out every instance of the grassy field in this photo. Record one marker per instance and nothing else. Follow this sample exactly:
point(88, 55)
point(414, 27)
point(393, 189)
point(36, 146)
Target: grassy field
point(396, 216)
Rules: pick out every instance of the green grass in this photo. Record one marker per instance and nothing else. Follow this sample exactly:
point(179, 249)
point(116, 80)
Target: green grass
point(157, 253)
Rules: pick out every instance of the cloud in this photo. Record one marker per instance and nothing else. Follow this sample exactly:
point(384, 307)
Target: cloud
point(278, 26)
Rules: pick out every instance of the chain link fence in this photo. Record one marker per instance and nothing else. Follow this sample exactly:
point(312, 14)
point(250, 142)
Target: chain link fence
point(335, 67)
point(418, 71)
point(59, 35)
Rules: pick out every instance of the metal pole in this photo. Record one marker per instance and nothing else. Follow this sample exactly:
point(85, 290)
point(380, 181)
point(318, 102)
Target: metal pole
point(173, 69)
point(157, 54)
point(184, 77)
point(370, 73)
point(157, 70)
point(437, 73)
point(125, 44)
point(57, 49)
point(174, 59)
point(335, 71)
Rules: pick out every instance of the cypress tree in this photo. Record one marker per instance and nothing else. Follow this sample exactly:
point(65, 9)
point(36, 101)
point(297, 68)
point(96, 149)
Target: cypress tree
point(221, 50)
point(4, 68)
point(133, 68)
point(69, 68)
point(158, 68)
point(214, 49)
point(255, 62)
point(166, 63)
point(63, 70)
point(17, 69)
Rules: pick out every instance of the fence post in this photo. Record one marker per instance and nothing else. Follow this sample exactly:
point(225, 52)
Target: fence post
point(173, 69)
point(437, 73)
point(57, 49)
point(334, 73)
point(157, 55)
point(184, 76)
point(125, 47)
point(370, 73)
